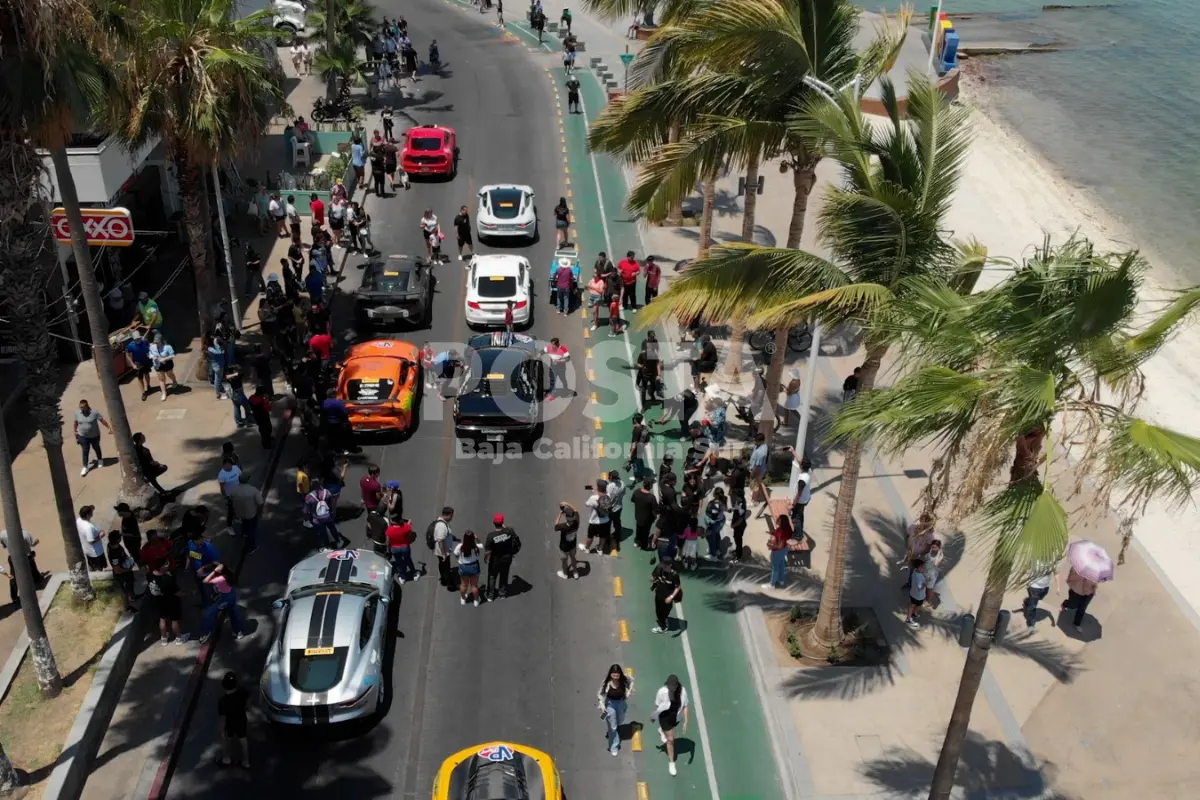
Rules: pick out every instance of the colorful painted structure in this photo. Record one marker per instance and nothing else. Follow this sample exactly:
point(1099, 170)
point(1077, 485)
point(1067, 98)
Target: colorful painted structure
point(943, 41)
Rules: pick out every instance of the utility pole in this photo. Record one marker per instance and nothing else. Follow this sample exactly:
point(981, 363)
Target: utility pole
point(235, 313)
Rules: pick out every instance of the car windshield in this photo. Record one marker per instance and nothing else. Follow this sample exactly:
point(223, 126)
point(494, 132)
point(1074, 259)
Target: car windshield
point(426, 144)
point(519, 383)
point(317, 669)
point(369, 390)
point(393, 280)
point(497, 286)
point(506, 203)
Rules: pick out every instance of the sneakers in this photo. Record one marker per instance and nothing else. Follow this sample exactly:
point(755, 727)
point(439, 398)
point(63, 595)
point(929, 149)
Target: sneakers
point(416, 577)
point(614, 752)
point(204, 639)
point(83, 471)
point(562, 575)
point(594, 326)
point(657, 629)
point(399, 580)
point(765, 586)
point(184, 639)
point(477, 602)
point(460, 257)
point(239, 636)
point(462, 601)
point(582, 548)
point(163, 641)
point(912, 623)
point(671, 768)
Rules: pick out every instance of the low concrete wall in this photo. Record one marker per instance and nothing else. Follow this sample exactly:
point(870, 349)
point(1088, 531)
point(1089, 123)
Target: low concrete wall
point(947, 85)
point(323, 142)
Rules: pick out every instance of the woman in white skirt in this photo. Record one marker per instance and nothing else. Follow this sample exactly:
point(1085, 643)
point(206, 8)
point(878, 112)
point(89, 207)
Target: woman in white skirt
point(670, 707)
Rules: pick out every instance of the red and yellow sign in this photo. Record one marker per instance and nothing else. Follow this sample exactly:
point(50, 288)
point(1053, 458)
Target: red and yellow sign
point(105, 227)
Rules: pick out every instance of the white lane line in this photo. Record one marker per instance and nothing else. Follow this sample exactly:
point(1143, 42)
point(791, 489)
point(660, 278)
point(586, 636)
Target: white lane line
point(687, 644)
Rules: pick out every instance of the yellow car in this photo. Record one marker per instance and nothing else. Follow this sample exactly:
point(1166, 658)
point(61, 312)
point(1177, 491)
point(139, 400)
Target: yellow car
point(498, 771)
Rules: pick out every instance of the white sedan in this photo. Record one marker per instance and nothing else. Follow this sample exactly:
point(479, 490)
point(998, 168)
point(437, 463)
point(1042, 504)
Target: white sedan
point(494, 281)
point(506, 210)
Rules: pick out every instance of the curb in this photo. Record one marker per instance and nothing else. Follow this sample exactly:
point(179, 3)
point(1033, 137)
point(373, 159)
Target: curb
point(91, 722)
point(9, 671)
point(191, 695)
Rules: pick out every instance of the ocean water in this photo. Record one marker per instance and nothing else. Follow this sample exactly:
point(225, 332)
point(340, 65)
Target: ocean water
point(1117, 111)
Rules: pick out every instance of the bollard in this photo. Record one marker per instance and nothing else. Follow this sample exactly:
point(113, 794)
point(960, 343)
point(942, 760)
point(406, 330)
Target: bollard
point(967, 621)
point(1001, 626)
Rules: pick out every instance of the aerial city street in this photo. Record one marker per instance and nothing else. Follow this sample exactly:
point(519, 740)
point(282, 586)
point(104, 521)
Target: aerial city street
point(632, 400)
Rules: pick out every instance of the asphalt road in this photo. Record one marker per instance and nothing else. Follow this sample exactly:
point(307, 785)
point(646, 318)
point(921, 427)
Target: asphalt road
point(524, 669)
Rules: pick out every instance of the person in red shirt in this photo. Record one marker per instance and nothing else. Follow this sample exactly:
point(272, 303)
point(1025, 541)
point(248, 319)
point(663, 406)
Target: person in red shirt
point(653, 275)
point(317, 206)
point(614, 316)
point(400, 536)
point(322, 345)
point(508, 318)
point(372, 489)
point(157, 548)
point(629, 269)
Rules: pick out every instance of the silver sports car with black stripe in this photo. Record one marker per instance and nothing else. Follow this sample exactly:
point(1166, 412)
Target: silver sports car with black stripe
point(326, 663)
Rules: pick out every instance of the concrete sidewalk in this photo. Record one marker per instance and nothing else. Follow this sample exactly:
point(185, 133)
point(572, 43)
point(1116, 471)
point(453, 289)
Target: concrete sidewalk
point(1090, 714)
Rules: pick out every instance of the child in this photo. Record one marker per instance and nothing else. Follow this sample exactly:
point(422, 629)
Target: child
point(615, 325)
point(691, 543)
point(916, 593)
point(714, 520)
point(231, 708)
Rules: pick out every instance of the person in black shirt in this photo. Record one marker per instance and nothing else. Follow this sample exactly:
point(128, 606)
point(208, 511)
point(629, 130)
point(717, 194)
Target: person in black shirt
point(704, 363)
point(737, 475)
point(850, 385)
point(686, 405)
point(377, 526)
point(667, 591)
point(573, 105)
point(378, 169)
point(462, 229)
point(645, 507)
point(603, 265)
point(499, 549)
point(318, 318)
point(122, 569)
point(638, 439)
point(131, 533)
point(613, 699)
point(163, 593)
point(237, 394)
point(739, 516)
point(231, 708)
point(567, 525)
point(670, 516)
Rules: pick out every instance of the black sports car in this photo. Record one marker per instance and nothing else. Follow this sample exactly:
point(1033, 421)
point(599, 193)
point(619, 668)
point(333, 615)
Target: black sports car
point(398, 289)
point(501, 389)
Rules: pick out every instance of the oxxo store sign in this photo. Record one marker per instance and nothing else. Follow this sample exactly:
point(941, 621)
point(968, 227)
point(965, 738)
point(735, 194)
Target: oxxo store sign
point(105, 227)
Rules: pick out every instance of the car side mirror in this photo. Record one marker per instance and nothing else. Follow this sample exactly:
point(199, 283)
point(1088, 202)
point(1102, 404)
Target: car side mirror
point(385, 600)
point(277, 604)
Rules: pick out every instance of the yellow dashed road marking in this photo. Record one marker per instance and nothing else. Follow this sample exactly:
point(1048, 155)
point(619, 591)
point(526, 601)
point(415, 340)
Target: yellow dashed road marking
point(591, 374)
point(623, 627)
point(587, 333)
point(643, 790)
point(637, 748)
point(618, 588)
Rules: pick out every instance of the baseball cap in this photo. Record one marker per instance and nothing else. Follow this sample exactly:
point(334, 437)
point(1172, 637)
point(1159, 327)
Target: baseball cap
point(498, 519)
point(393, 484)
point(273, 277)
point(122, 507)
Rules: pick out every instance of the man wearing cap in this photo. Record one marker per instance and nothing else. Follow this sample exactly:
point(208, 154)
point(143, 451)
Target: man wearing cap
point(147, 314)
point(499, 549)
point(137, 354)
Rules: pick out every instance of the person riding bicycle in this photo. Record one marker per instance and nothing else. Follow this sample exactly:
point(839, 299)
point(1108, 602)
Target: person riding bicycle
point(431, 230)
point(434, 56)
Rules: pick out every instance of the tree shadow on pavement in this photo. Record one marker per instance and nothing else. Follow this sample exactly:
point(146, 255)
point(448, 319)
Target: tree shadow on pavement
point(867, 584)
point(987, 768)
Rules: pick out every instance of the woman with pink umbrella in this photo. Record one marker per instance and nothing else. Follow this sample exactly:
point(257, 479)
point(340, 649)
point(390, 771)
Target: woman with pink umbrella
point(1090, 566)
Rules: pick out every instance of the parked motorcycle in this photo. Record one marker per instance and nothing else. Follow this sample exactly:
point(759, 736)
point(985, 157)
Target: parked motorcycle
point(330, 110)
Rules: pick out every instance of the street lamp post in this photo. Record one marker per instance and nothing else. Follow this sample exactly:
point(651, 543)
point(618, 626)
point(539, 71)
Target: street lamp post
point(235, 314)
point(933, 32)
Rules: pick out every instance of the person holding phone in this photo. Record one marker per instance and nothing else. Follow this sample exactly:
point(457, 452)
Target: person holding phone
point(670, 707)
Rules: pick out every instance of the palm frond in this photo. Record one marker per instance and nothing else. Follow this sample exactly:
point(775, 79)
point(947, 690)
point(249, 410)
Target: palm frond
point(1027, 528)
point(1147, 461)
point(833, 306)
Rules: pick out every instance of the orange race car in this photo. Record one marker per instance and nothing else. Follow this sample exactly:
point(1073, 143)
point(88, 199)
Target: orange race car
point(379, 383)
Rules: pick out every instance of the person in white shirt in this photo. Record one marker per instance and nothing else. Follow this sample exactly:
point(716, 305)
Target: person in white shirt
point(1037, 589)
point(430, 227)
point(803, 492)
point(917, 592)
point(598, 523)
point(91, 539)
point(616, 500)
point(228, 477)
point(297, 59)
point(307, 53)
point(670, 707)
point(278, 215)
point(468, 552)
point(443, 546)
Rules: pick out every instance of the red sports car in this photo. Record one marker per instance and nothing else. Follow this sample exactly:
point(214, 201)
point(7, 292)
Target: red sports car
point(430, 150)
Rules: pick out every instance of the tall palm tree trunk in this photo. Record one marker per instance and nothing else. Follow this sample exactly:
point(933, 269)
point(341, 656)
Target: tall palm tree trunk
point(709, 194)
point(44, 665)
point(10, 781)
point(1024, 468)
point(26, 261)
point(675, 214)
point(193, 193)
point(331, 45)
point(827, 632)
point(804, 177)
point(134, 488)
point(737, 332)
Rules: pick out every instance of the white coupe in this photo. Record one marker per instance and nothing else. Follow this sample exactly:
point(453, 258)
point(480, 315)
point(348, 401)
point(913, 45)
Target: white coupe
point(494, 281)
point(506, 210)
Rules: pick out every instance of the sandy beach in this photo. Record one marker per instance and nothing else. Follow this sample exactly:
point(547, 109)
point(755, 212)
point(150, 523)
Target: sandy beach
point(1011, 198)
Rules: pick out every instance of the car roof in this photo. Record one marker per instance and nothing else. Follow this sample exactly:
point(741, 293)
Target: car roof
point(325, 619)
point(429, 130)
point(501, 340)
point(358, 566)
point(517, 186)
point(390, 349)
point(401, 263)
point(499, 264)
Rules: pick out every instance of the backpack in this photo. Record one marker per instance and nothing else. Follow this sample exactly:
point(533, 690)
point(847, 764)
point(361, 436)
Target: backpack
point(322, 512)
point(604, 505)
point(429, 538)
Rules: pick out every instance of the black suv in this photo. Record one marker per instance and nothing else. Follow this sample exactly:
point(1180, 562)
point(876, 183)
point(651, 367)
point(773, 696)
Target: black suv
point(502, 389)
point(398, 289)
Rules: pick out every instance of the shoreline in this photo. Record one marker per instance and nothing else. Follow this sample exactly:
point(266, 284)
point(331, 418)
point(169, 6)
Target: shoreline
point(1011, 196)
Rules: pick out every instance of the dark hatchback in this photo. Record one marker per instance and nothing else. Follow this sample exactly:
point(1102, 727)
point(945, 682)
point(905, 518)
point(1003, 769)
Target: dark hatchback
point(502, 390)
point(398, 290)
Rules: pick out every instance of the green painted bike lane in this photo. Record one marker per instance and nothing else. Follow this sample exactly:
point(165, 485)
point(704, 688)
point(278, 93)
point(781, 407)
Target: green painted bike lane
point(741, 766)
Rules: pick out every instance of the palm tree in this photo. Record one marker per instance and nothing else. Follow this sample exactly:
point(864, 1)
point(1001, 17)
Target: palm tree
point(882, 227)
point(354, 22)
point(10, 779)
point(44, 664)
point(1051, 356)
point(340, 63)
point(70, 77)
point(199, 76)
point(776, 50)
